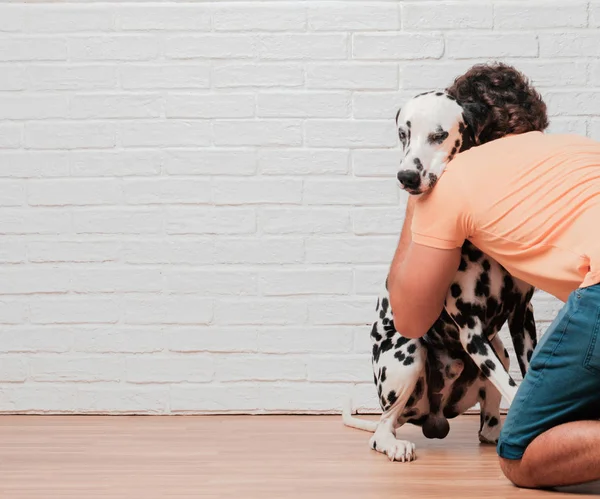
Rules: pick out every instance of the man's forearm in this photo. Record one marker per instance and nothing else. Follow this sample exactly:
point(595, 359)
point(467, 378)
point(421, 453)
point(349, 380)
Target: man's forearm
point(403, 243)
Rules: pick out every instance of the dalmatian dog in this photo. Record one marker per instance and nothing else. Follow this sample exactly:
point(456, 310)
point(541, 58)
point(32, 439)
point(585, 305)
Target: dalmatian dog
point(461, 360)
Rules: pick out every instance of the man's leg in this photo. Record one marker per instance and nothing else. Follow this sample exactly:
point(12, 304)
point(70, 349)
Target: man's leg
point(551, 436)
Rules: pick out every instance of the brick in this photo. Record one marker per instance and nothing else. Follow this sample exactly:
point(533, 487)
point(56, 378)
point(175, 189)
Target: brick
point(211, 47)
point(161, 190)
point(255, 17)
point(304, 220)
point(29, 339)
point(232, 75)
point(352, 368)
point(377, 105)
point(253, 367)
point(163, 17)
point(364, 399)
point(569, 44)
point(353, 17)
point(30, 280)
point(31, 164)
point(73, 251)
point(455, 15)
point(74, 192)
point(70, 368)
point(116, 280)
point(574, 103)
point(257, 191)
point(370, 281)
point(594, 14)
point(547, 14)
point(306, 282)
point(213, 339)
point(167, 310)
point(257, 133)
point(117, 221)
point(12, 368)
point(38, 398)
point(469, 46)
point(555, 73)
point(211, 282)
point(427, 75)
point(353, 75)
point(210, 106)
point(12, 192)
point(374, 221)
point(348, 311)
point(11, 135)
point(397, 46)
point(303, 161)
point(12, 251)
point(34, 221)
point(69, 135)
point(576, 126)
point(113, 398)
point(306, 339)
point(350, 192)
point(354, 250)
point(20, 48)
point(303, 46)
point(362, 338)
point(303, 105)
point(13, 311)
point(259, 251)
point(312, 397)
point(118, 339)
point(169, 251)
point(100, 106)
point(113, 48)
point(220, 161)
point(376, 163)
point(115, 163)
point(62, 18)
point(171, 369)
point(594, 129)
point(164, 76)
point(351, 134)
point(215, 397)
point(70, 310)
point(165, 133)
point(68, 77)
point(189, 220)
point(32, 106)
point(13, 78)
point(260, 312)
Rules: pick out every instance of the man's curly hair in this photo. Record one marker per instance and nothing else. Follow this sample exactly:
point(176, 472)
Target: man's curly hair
point(499, 101)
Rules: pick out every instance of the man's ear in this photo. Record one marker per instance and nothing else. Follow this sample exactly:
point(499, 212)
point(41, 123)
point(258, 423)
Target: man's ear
point(398, 114)
point(475, 116)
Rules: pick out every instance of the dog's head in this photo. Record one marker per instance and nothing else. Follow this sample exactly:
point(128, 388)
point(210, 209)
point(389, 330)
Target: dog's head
point(433, 127)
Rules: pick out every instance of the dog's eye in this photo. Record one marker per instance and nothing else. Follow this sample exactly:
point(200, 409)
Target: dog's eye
point(438, 137)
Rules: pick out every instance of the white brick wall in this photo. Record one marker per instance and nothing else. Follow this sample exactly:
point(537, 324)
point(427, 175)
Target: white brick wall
point(197, 204)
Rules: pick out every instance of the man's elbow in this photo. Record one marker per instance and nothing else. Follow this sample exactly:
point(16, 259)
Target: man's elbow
point(404, 322)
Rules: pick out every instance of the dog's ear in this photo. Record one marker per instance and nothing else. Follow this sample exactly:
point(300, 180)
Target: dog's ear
point(398, 114)
point(475, 116)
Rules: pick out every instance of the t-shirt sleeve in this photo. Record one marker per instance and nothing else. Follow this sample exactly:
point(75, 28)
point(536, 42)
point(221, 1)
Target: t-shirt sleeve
point(441, 218)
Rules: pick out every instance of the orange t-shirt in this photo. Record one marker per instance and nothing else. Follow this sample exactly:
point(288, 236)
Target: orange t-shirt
point(530, 201)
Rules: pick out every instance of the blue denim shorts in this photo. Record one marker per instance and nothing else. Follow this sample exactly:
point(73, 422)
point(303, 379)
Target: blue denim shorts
point(563, 381)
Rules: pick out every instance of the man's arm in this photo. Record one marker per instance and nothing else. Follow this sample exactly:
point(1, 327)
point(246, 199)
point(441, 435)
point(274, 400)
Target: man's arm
point(405, 235)
point(418, 284)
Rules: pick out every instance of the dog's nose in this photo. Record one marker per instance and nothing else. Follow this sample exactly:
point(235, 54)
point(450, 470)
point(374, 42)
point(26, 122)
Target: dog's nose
point(409, 179)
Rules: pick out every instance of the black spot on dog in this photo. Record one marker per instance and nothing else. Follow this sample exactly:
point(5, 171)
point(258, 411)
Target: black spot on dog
point(377, 306)
point(490, 364)
point(411, 348)
point(409, 360)
point(374, 334)
point(506, 353)
point(408, 124)
point(418, 164)
point(493, 422)
point(392, 397)
point(400, 356)
point(398, 114)
point(453, 152)
point(485, 370)
point(386, 284)
point(439, 94)
point(384, 305)
point(482, 394)
point(482, 286)
point(410, 414)
point(401, 342)
point(457, 143)
point(486, 265)
point(461, 128)
point(477, 345)
point(383, 376)
point(472, 252)
point(456, 290)
point(450, 97)
point(529, 354)
point(511, 382)
point(463, 265)
point(432, 179)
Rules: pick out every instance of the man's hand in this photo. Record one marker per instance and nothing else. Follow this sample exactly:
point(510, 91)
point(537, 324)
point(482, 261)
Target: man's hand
point(418, 284)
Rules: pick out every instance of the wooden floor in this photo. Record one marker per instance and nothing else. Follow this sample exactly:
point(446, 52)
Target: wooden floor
point(238, 456)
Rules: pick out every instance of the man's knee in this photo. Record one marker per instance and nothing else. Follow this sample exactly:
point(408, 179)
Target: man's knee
point(516, 472)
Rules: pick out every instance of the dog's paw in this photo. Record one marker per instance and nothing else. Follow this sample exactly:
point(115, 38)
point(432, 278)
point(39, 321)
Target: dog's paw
point(489, 435)
point(396, 450)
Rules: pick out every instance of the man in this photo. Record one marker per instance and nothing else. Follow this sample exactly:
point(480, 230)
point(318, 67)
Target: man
point(532, 202)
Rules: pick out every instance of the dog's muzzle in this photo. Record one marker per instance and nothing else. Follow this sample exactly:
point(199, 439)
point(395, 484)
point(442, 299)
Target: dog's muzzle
point(409, 179)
